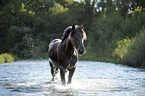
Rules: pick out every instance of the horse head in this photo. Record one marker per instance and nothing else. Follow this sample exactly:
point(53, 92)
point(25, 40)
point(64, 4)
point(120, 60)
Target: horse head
point(77, 36)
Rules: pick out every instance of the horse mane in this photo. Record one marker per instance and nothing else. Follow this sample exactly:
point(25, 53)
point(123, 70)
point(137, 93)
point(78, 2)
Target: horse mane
point(66, 33)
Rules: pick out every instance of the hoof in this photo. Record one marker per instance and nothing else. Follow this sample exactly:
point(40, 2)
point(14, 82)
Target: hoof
point(52, 79)
point(68, 82)
point(63, 84)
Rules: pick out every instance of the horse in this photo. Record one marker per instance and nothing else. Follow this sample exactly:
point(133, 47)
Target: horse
point(63, 53)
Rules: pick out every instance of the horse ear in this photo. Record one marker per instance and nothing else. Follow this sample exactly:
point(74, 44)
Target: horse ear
point(73, 27)
point(82, 27)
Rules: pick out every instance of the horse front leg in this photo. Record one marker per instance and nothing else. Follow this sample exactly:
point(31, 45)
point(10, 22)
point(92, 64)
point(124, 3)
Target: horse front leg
point(71, 72)
point(62, 74)
point(54, 71)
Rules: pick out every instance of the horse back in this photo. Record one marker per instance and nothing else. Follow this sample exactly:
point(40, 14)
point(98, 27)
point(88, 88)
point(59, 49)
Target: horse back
point(52, 51)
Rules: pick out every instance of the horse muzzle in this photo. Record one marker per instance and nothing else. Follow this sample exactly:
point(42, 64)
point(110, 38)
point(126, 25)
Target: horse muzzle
point(81, 51)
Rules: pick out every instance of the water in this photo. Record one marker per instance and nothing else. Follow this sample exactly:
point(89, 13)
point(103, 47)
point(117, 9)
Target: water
point(32, 78)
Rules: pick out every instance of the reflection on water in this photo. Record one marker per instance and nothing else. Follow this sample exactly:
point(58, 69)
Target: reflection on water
point(32, 78)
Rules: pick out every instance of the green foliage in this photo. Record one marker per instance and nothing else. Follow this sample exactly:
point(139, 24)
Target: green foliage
point(136, 52)
point(25, 46)
point(104, 33)
point(131, 26)
point(28, 26)
point(122, 49)
point(6, 58)
point(132, 51)
point(57, 9)
point(2, 59)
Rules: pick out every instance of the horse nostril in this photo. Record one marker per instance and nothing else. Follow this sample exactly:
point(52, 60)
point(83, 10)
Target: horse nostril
point(81, 51)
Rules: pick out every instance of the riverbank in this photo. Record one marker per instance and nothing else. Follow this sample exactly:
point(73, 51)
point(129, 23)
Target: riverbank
point(6, 58)
point(94, 57)
point(97, 58)
point(88, 57)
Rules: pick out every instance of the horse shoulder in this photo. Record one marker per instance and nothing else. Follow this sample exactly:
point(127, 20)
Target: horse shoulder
point(52, 51)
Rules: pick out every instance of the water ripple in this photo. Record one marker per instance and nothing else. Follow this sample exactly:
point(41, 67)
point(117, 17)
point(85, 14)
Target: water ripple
point(32, 78)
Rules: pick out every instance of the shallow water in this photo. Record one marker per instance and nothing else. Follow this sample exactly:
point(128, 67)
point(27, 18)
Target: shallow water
point(32, 78)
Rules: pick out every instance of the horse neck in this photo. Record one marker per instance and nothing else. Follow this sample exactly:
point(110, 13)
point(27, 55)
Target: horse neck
point(69, 49)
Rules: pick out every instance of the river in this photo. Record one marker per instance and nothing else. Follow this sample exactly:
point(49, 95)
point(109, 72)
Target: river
point(32, 78)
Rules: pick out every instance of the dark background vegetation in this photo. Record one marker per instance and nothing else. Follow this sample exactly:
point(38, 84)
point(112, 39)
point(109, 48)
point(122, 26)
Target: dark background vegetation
point(115, 28)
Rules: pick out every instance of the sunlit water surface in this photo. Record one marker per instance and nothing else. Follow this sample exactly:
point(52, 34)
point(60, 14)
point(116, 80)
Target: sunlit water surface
point(32, 78)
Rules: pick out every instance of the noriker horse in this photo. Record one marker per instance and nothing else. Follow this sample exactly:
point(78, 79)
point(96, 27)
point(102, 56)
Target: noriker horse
point(63, 54)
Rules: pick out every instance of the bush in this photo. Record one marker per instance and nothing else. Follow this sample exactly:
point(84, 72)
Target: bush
point(136, 52)
point(132, 51)
point(2, 59)
point(122, 49)
point(6, 58)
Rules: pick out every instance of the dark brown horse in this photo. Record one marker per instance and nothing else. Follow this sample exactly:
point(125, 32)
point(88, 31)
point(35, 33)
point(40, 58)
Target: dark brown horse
point(63, 54)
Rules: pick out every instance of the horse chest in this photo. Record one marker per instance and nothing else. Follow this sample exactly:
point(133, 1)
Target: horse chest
point(72, 62)
point(70, 66)
point(66, 62)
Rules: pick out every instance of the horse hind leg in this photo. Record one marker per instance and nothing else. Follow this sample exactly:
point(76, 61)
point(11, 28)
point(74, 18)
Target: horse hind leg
point(54, 71)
